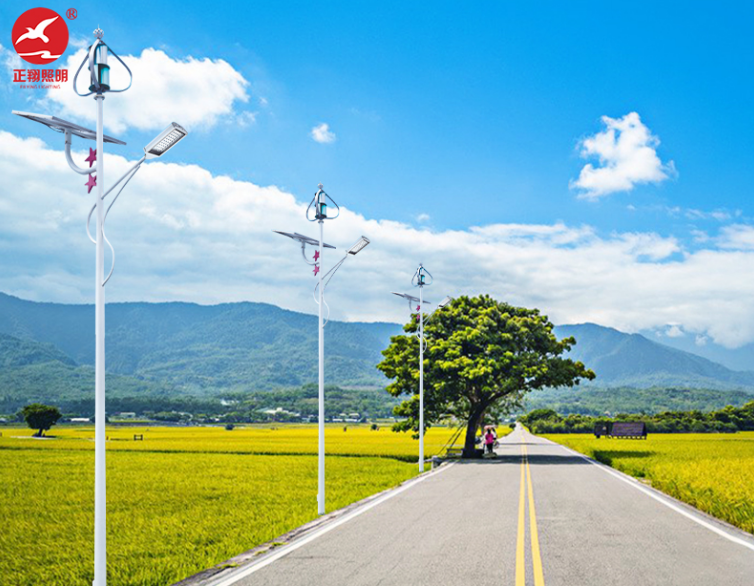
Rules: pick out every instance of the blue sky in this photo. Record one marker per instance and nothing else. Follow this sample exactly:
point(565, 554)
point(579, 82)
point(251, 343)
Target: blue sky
point(453, 119)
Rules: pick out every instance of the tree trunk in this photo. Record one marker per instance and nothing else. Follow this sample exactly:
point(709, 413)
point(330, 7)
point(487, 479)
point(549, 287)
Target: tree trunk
point(469, 447)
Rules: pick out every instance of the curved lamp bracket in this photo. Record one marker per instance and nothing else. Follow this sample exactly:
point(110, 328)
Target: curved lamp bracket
point(68, 157)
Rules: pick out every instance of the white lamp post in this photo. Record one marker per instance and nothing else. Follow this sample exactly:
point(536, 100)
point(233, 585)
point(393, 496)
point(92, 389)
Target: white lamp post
point(319, 206)
point(99, 76)
point(420, 280)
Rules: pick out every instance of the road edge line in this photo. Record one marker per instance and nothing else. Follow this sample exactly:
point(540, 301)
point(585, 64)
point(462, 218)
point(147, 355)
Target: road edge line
point(662, 498)
point(283, 551)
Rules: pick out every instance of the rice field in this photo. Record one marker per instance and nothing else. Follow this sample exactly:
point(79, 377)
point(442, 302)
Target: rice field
point(712, 472)
point(356, 440)
point(182, 500)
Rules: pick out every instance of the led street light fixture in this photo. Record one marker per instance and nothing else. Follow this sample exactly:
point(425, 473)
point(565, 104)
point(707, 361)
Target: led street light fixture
point(447, 301)
point(359, 246)
point(59, 125)
point(305, 239)
point(165, 141)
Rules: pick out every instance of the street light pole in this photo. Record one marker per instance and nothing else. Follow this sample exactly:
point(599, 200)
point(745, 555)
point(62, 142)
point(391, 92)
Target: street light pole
point(421, 376)
point(321, 418)
point(419, 280)
point(99, 77)
point(319, 203)
point(100, 488)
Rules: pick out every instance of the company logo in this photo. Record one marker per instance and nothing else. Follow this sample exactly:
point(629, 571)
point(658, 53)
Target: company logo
point(40, 36)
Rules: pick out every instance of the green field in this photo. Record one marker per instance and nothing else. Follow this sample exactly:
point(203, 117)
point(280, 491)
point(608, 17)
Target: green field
point(713, 472)
point(182, 500)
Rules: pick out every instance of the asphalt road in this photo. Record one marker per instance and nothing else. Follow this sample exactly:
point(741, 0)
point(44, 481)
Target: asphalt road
point(538, 514)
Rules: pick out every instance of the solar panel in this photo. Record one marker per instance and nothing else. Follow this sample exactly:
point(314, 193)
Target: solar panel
point(60, 125)
point(410, 297)
point(304, 239)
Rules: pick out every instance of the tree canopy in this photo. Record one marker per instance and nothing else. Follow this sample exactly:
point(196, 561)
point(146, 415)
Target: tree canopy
point(41, 417)
point(482, 356)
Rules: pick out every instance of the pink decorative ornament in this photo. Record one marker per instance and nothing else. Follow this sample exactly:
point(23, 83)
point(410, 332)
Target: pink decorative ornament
point(91, 182)
point(92, 157)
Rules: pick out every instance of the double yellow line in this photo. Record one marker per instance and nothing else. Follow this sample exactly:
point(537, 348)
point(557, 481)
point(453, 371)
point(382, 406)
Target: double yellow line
point(527, 490)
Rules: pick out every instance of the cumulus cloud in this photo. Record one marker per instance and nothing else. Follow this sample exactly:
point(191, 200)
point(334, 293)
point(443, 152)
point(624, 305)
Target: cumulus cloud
point(322, 134)
point(627, 154)
point(182, 233)
point(737, 237)
point(674, 331)
point(196, 93)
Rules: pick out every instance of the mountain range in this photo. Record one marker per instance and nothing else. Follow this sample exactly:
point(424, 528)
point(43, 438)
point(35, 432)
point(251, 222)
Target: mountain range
point(184, 349)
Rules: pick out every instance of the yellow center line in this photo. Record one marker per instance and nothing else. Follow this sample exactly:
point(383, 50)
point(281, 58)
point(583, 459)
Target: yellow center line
point(520, 559)
point(539, 577)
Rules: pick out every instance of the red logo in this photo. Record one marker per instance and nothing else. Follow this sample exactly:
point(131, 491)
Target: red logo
point(40, 36)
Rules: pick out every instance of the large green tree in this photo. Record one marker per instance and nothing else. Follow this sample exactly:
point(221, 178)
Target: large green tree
point(482, 356)
point(41, 417)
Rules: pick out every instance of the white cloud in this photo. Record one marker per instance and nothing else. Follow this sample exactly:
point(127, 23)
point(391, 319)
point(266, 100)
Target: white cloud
point(423, 218)
point(183, 234)
point(627, 154)
point(10, 60)
point(719, 215)
point(196, 93)
point(246, 119)
point(737, 237)
point(322, 134)
point(674, 331)
point(699, 236)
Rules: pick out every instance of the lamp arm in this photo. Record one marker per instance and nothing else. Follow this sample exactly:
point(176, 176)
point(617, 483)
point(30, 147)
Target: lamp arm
point(136, 165)
point(130, 173)
point(325, 280)
point(68, 157)
point(303, 254)
point(329, 274)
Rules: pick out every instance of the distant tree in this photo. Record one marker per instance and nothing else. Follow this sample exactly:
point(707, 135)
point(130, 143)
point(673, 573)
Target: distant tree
point(483, 356)
point(229, 426)
point(41, 417)
point(538, 414)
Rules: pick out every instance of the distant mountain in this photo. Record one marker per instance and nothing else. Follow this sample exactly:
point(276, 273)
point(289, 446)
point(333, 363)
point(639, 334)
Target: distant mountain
point(621, 359)
point(15, 352)
point(184, 349)
point(741, 358)
point(206, 349)
point(31, 371)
